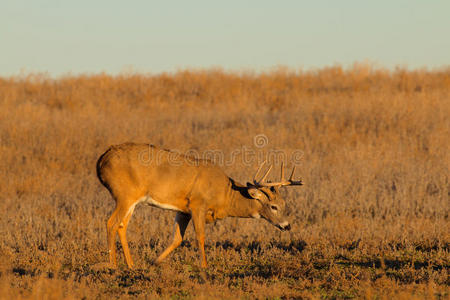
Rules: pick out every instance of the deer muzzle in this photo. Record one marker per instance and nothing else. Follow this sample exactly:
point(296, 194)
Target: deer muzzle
point(284, 226)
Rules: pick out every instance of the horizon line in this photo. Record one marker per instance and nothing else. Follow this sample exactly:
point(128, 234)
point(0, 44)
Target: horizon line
point(132, 70)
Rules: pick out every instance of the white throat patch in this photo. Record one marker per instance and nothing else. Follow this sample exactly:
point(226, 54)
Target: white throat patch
point(256, 216)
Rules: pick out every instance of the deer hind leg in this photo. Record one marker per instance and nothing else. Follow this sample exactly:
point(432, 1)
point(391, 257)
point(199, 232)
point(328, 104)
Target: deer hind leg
point(111, 229)
point(122, 231)
point(115, 222)
point(181, 222)
point(199, 226)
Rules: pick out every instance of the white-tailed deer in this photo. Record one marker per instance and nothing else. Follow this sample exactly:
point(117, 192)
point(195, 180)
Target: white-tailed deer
point(196, 189)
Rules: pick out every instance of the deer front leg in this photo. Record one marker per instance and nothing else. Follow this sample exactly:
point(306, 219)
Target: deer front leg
point(198, 218)
point(181, 222)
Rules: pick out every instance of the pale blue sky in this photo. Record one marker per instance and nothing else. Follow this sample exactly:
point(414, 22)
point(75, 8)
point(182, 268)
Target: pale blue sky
point(82, 36)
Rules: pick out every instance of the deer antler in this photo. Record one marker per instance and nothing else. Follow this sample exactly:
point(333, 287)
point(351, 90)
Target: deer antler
point(257, 182)
point(293, 182)
point(282, 182)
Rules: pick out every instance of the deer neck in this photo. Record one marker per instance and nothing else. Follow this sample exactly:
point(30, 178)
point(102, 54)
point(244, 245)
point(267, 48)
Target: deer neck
point(241, 204)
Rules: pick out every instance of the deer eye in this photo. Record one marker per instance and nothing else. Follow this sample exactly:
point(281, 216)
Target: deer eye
point(274, 207)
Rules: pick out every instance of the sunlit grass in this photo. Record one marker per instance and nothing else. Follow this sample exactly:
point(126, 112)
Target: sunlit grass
point(371, 220)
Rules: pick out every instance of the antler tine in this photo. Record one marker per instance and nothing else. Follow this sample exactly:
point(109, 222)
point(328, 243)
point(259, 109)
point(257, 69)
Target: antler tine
point(293, 182)
point(292, 174)
point(265, 175)
point(282, 171)
point(259, 170)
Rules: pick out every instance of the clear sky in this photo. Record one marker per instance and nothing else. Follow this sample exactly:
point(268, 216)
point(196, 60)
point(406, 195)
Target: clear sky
point(62, 36)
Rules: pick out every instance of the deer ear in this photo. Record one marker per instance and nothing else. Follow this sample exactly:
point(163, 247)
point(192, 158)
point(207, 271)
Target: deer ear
point(255, 193)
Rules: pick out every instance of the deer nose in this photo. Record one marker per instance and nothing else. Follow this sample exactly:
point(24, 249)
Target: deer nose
point(284, 226)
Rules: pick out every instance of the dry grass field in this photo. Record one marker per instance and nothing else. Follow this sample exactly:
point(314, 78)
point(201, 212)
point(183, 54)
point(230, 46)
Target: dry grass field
point(372, 220)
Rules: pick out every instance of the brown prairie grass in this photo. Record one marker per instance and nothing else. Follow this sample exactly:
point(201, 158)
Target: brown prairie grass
point(371, 221)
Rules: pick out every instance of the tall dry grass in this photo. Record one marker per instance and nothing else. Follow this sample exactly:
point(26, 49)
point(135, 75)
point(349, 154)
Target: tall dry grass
point(372, 218)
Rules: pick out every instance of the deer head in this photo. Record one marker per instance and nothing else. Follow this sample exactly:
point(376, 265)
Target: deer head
point(267, 193)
